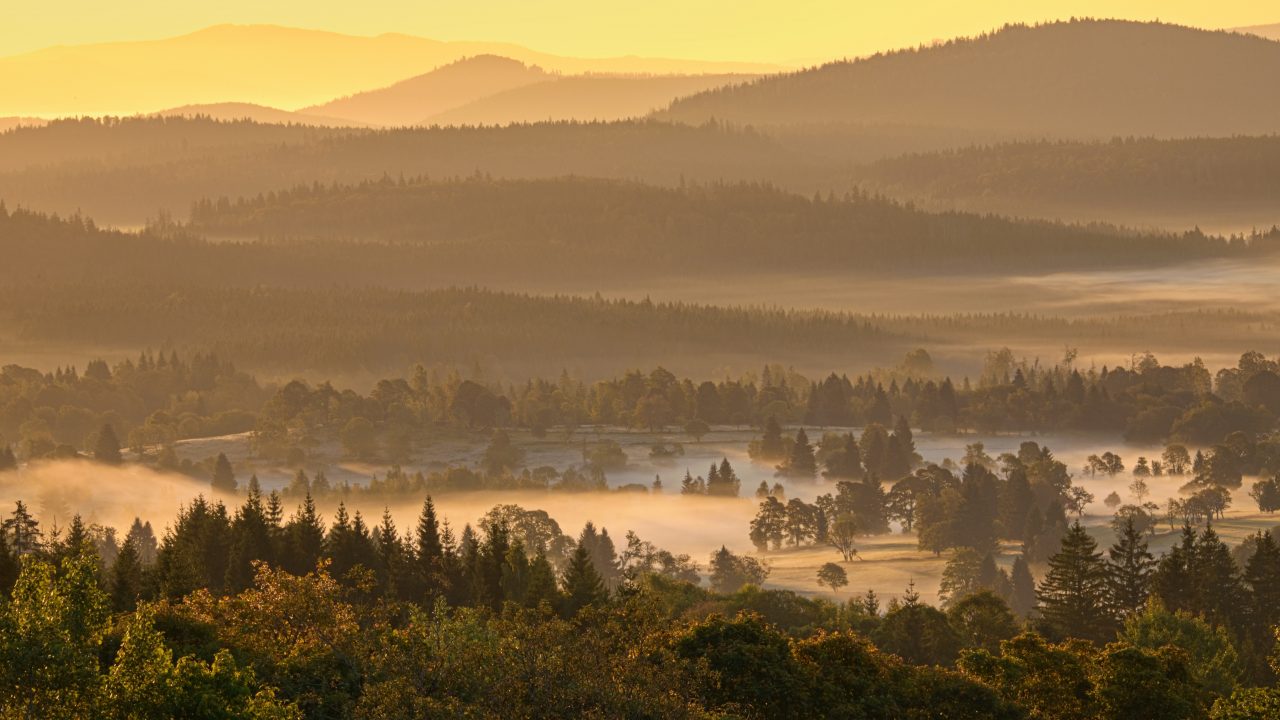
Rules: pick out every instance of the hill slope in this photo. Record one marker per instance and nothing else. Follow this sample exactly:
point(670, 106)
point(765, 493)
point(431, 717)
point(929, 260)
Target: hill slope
point(440, 90)
point(262, 64)
point(1220, 183)
point(1071, 79)
point(591, 97)
point(232, 111)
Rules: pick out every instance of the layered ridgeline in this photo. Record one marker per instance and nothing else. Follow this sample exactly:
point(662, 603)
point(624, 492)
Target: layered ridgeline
point(579, 229)
point(68, 287)
point(1207, 181)
point(125, 171)
point(263, 64)
point(1068, 79)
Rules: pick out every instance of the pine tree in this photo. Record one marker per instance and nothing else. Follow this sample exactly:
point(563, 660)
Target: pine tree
point(1262, 575)
point(304, 538)
point(1174, 578)
point(106, 446)
point(1222, 594)
point(1022, 588)
point(429, 552)
point(583, 586)
point(771, 445)
point(541, 585)
point(126, 578)
point(729, 485)
point(845, 463)
point(1016, 500)
point(22, 531)
point(224, 478)
point(801, 463)
point(1073, 595)
point(250, 539)
point(1131, 567)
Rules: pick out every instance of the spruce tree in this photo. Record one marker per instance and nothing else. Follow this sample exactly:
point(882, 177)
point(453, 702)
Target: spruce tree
point(1262, 575)
point(304, 538)
point(106, 446)
point(429, 552)
point(1022, 592)
point(1222, 594)
point(1174, 578)
point(583, 586)
point(224, 478)
point(126, 578)
point(801, 462)
point(1073, 596)
point(1131, 567)
point(541, 585)
point(771, 445)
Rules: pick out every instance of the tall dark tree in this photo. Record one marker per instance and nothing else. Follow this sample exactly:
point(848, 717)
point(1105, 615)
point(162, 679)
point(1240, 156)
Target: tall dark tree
point(1262, 575)
point(801, 462)
point(224, 478)
point(429, 551)
point(106, 446)
point(126, 578)
point(1022, 588)
point(1073, 595)
point(22, 531)
point(303, 538)
point(1131, 566)
point(846, 462)
point(583, 586)
point(250, 539)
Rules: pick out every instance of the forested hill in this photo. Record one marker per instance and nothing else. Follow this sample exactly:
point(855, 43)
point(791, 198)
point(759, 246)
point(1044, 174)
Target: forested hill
point(1081, 78)
point(554, 226)
point(184, 165)
point(1190, 180)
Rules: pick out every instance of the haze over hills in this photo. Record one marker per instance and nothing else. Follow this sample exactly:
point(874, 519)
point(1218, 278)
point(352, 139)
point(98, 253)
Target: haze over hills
point(232, 111)
point(1224, 184)
point(1271, 32)
point(261, 64)
point(582, 97)
point(409, 101)
point(1069, 79)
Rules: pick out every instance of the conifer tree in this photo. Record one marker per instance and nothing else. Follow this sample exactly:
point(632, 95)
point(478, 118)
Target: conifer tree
point(1022, 592)
point(106, 446)
point(304, 538)
point(126, 578)
point(583, 586)
point(224, 478)
point(250, 539)
point(771, 445)
point(801, 462)
point(1073, 596)
point(1131, 567)
point(392, 556)
point(22, 531)
point(429, 551)
point(1262, 575)
point(541, 585)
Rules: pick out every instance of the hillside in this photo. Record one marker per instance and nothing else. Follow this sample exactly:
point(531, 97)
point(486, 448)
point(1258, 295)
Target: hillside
point(261, 64)
point(1207, 181)
point(232, 111)
point(1069, 79)
point(599, 97)
point(167, 163)
point(1270, 32)
point(448, 87)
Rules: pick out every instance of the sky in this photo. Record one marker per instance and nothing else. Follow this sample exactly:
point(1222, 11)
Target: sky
point(776, 31)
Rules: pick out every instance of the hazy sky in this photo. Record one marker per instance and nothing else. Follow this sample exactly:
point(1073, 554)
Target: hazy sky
point(765, 30)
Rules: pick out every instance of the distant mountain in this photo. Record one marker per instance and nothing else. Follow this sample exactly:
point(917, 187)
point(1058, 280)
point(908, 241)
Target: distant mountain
point(1270, 32)
point(454, 85)
point(1088, 78)
point(262, 64)
point(583, 97)
point(257, 113)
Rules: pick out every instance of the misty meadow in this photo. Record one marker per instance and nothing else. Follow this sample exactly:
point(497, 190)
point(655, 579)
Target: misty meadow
point(900, 363)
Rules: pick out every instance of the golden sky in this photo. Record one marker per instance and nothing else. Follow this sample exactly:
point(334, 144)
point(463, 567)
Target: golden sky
point(784, 31)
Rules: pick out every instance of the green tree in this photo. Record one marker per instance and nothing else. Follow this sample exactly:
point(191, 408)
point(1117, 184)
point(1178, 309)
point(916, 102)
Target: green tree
point(106, 446)
point(982, 620)
point(224, 478)
point(832, 576)
point(1212, 658)
point(801, 463)
point(583, 585)
point(1131, 566)
point(1074, 593)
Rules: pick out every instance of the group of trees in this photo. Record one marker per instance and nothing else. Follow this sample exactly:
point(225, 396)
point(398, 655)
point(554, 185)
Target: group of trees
point(348, 622)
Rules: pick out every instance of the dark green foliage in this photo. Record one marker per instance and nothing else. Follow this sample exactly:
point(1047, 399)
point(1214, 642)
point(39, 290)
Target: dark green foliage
point(1074, 593)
